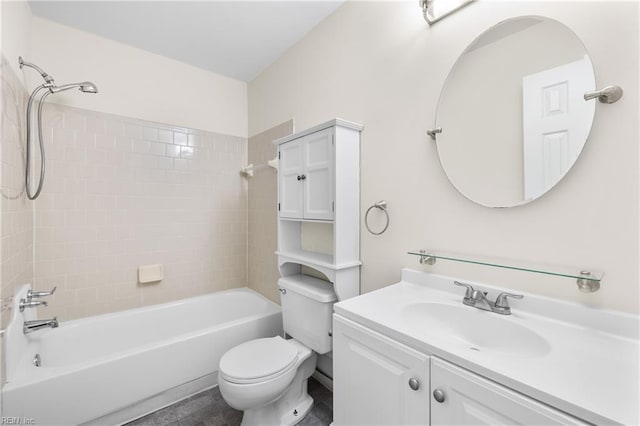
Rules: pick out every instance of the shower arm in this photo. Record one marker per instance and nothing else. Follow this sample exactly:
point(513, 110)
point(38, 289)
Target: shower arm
point(44, 75)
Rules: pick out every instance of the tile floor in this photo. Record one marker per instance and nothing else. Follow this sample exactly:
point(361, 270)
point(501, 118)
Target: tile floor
point(209, 409)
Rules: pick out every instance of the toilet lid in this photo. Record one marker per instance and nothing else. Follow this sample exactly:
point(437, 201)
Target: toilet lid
point(257, 359)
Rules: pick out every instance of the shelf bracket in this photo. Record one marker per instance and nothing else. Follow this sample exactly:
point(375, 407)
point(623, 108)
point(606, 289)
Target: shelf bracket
point(586, 283)
point(426, 259)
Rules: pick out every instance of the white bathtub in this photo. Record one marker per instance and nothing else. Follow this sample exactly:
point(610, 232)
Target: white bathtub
point(112, 368)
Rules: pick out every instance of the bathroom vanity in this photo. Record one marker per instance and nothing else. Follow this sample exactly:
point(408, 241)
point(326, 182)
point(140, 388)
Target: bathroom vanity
point(413, 353)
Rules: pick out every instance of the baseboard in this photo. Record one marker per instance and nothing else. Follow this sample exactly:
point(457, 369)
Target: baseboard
point(323, 379)
point(173, 395)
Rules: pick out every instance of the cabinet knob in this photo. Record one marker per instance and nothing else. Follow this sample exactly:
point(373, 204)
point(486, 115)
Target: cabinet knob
point(439, 396)
point(299, 177)
point(414, 384)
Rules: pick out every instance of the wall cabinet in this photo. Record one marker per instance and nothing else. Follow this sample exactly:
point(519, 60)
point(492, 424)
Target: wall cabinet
point(319, 181)
point(378, 380)
point(306, 177)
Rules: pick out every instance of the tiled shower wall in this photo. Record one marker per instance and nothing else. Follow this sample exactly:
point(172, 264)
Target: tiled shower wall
point(121, 193)
point(262, 216)
point(16, 217)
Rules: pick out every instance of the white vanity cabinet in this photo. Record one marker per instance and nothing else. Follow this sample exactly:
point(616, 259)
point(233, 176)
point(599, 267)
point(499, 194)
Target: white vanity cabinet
point(464, 398)
point(372, 376)
point(379, 381)
point(306, 176)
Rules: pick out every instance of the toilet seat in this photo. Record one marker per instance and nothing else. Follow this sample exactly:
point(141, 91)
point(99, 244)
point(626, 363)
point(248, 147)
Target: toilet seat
point(258, 360)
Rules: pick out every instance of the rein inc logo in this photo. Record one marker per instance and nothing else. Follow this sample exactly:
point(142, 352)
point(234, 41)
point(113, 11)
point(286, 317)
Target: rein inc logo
point(17, 421)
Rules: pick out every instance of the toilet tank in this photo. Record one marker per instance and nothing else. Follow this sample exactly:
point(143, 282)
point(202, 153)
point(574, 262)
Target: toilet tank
point(307, 306)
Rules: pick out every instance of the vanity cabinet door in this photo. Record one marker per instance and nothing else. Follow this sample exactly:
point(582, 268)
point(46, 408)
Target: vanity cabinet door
point(471, 399)
point(377, 381)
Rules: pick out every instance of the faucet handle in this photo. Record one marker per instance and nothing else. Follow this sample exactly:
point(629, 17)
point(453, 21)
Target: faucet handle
point(469, 293)
point(36, 294)
point(501, 305)
point(28, 303)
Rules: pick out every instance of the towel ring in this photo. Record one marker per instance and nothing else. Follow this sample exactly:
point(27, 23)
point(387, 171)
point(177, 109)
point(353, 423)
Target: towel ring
point(381, 205)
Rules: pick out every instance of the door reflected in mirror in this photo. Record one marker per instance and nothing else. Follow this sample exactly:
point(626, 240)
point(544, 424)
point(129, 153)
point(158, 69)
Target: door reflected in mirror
point(512, 111)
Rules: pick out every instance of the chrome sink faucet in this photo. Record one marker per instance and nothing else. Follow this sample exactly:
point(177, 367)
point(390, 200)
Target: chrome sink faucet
point(31, 326)
point(478, 299)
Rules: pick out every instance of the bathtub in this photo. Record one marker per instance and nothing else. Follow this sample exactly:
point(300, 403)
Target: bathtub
point(112, 368)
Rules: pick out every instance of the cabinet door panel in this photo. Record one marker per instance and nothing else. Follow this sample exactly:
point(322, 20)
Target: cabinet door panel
point(371, 379)
point(473, 400)
point(291, 188)
point(318, 169)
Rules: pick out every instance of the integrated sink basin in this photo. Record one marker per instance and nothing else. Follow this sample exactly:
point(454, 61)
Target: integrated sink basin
point(478, 330)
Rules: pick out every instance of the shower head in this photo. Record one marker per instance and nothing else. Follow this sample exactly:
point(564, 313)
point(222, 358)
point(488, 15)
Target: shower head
point(85, 86)
point(88, 87)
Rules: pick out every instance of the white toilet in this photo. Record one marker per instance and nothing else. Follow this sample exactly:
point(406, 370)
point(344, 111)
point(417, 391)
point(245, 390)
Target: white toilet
point(267, 378)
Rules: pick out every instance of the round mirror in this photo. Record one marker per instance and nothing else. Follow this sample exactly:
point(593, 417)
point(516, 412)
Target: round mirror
point(512, 111)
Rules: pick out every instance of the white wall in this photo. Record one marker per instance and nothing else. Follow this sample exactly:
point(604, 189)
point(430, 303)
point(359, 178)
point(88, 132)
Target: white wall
point(136, 83)
point(15, 32)
point(380, 64)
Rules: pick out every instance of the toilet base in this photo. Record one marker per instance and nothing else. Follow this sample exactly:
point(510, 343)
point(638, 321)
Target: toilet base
point(295, 415)
point(291, 407)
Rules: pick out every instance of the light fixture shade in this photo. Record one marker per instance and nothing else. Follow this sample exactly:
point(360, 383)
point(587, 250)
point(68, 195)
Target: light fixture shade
point(435, 10)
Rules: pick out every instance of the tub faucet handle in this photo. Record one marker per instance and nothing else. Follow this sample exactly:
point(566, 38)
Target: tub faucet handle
point(36, 294)
point(28, 303)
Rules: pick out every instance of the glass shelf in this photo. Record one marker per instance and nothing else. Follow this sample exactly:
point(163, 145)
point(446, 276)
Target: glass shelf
point(429, 257)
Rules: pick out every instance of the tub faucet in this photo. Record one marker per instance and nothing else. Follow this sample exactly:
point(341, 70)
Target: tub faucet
point(478, 299)
point(28, 302)
point(31, 326)
point(32, 294)
point(24, 303)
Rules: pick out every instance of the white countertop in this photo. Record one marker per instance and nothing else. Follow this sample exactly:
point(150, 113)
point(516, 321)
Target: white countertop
point(590, 371)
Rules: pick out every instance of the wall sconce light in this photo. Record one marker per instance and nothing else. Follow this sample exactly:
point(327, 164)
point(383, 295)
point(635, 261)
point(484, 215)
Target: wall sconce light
point(435, 10)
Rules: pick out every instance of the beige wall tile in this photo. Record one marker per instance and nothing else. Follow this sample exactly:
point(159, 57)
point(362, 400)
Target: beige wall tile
point(120, 193)
point(262, 219)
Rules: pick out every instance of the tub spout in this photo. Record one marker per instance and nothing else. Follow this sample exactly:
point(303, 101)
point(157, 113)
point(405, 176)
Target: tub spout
point(30, 326)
